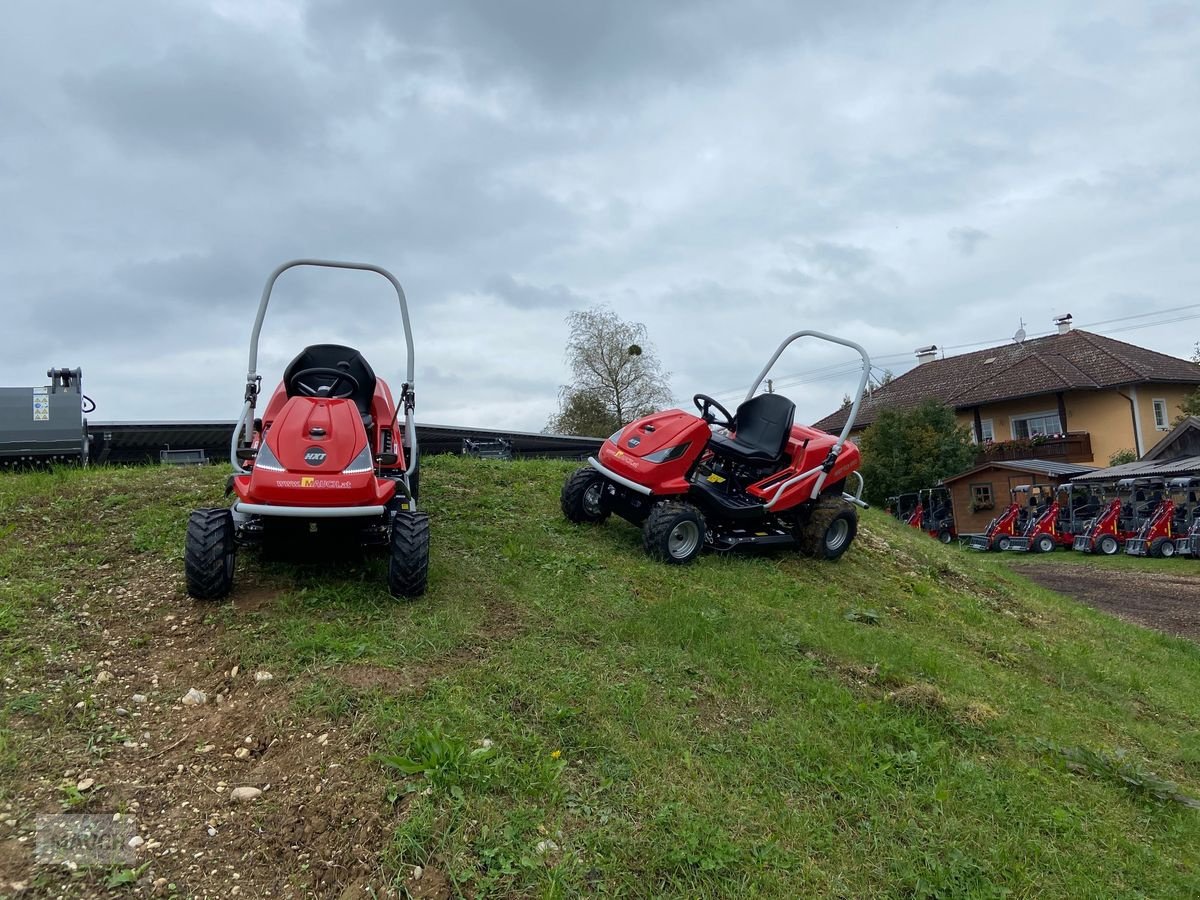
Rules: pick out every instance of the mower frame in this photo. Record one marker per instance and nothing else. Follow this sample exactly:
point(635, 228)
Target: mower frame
point(243, 430)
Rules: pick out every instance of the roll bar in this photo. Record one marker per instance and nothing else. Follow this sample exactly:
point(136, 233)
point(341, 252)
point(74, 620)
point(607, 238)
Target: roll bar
point(253, 379)
point(831, 459)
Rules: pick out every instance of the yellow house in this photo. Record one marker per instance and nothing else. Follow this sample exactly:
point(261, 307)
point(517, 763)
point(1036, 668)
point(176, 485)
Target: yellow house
point(1073, 396)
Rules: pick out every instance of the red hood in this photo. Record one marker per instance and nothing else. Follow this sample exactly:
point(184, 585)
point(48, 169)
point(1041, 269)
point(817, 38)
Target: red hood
point(659, 431)
point(313, 435)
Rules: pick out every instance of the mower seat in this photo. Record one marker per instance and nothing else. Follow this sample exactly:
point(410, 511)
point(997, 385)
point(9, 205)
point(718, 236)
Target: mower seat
point(335, 356)
point(761, 427)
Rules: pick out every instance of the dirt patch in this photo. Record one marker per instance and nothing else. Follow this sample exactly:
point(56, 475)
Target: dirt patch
point(100, 726)
point(253, 597)
point(1165, 601)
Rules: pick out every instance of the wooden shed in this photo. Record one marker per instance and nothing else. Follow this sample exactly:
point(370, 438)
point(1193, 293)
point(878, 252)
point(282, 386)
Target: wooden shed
point(981, 493)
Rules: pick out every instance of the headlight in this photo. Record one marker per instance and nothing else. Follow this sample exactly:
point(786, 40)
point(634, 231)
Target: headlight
point(670, 453)
point(266, 459)
point(616, 434)
point(362, 463)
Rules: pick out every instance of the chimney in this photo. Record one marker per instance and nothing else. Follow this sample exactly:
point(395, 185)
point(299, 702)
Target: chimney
point(1064, 323)
point(926, 354)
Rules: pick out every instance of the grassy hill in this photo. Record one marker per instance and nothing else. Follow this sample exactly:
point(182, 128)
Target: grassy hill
point(560, 716)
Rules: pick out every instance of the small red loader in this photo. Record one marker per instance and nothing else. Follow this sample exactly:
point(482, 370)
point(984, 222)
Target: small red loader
point(331, 455)
point(1160, 533)
point(1120, 519)
point(1056, 524)
point(1004, 528)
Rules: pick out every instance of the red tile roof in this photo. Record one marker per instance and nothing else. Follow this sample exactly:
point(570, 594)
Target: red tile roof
point(1077, 360)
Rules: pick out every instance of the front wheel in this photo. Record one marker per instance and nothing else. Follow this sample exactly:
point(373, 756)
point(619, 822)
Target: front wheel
point(945, 536)
point(1044, 544)
point(829, 532)
point(674, 533)
point(1004, 542)
point(582, 497)
point(210, 553)
point(408, 567)
point(1108, 545)
point(1163, 548)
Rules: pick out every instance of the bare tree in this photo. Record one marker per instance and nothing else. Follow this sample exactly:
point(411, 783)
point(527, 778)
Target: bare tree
point(616, 375)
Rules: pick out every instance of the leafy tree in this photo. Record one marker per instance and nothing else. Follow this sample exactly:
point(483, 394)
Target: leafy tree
point(906, 450)
point(1122, 456)
point(1191, 403)
point(616, 375)
point(582, 413)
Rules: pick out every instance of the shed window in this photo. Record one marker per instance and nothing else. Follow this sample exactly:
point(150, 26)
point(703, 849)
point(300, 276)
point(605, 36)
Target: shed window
point(981, 496)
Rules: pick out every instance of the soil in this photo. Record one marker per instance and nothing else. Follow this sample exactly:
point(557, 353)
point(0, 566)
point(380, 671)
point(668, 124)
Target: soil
point(1161, 600)
point(165, 771)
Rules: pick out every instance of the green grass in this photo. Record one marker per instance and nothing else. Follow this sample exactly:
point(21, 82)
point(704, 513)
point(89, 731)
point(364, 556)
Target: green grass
point(560, 716)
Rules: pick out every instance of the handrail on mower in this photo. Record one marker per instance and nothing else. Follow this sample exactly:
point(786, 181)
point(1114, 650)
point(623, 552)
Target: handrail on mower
point(252, 377)
point(827, 466)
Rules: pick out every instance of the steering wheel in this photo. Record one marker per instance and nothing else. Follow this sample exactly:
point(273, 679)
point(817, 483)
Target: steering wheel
point(706, 405)
point(296, 384)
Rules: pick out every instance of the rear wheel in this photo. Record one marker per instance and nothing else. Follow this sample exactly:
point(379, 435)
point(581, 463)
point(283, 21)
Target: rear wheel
point(1108, 545)
point(829, 532)
point(1044, 544)
point(408, 568)
point(582, 497)
point(210, 553)
point(674, 533)
point(945, 536)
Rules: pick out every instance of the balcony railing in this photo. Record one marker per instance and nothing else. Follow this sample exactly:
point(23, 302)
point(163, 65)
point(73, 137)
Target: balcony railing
point(1074, 447)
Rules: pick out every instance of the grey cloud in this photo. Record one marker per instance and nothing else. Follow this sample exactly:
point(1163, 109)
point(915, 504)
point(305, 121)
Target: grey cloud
point(724, 172)
point(193, 100)
point(988, 86)
point(524, 295)
point(967, 240)
point(838, 260)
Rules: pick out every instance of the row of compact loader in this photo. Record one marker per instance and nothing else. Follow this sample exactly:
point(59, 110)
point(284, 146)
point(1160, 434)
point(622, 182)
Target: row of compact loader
point(1143, 516)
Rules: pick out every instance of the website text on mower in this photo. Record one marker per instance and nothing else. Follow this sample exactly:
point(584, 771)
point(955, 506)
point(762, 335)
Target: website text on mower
point(325, 457)
point(758, 480)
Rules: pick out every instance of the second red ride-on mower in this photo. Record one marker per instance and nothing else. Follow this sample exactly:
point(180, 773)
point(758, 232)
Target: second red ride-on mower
point(326, 457)
point(762, 482)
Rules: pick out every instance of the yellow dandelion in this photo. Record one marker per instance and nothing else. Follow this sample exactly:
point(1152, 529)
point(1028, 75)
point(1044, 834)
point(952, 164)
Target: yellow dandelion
point(556, 754)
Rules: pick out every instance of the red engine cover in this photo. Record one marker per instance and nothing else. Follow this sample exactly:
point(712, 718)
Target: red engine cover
point(626, 455)
point(314, 440)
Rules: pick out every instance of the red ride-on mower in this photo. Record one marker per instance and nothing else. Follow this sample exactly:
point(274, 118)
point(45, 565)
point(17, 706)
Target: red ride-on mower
point(762, 482)
point(326, 457)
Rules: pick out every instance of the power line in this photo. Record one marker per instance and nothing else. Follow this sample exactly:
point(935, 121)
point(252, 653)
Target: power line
point(836, 370)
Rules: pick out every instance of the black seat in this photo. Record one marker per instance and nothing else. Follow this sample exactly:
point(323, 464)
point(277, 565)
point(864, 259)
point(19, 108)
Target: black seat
point(334, 356)
point(761, 427)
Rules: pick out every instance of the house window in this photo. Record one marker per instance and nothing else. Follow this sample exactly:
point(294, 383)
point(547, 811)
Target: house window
point(1160, 415)
point(986, 430)
point(1038, 423)
point(981, 497)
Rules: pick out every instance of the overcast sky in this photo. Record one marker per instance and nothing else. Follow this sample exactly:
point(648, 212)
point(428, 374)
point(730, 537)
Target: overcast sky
point(725, 172)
